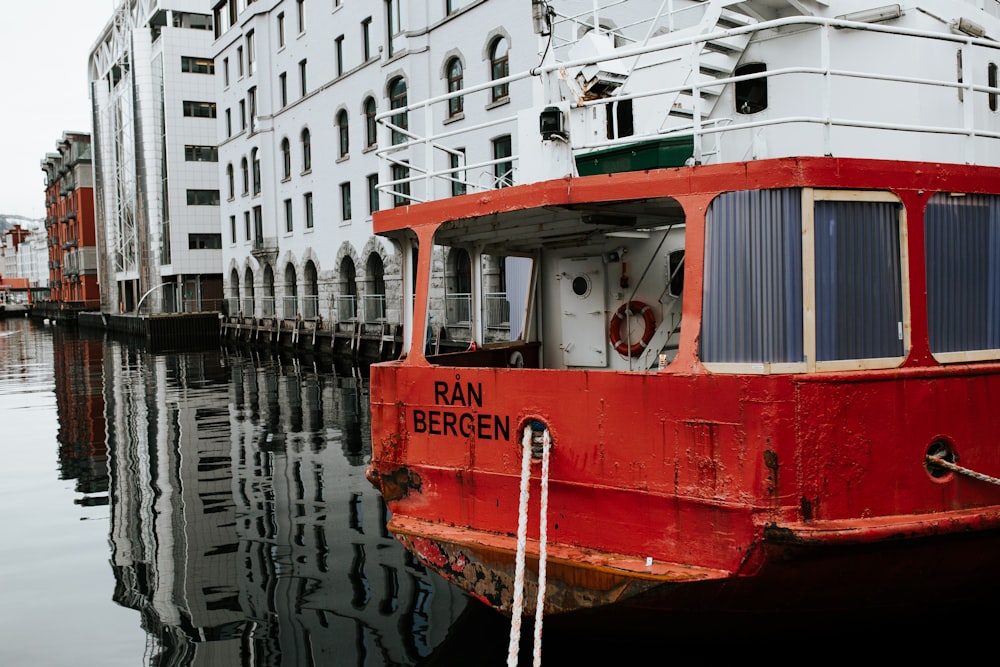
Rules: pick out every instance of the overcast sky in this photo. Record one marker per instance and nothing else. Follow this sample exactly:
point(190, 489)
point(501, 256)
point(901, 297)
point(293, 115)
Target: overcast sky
point(44, 46)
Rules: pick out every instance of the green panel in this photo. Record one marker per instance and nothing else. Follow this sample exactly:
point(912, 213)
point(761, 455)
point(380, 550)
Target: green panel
point(672, 152)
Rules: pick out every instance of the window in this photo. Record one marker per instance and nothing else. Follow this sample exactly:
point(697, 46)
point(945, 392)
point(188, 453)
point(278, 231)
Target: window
point(338, 47)
point(804, 279)
point(991, 81)
point(225, 71)
point(962, 247)
point(393, 22)
point(197, 65)
point(283, 89)
point(201, 154)
point(303, 87)
point(281, 30)
point(243, 114)
point(371, 128)
point(288, 215)
point(372, 193)
point(366, 39)
point(199, 109)
point(255, 169)
point(503, 170)
point(397, 100)
point(455, 104)
point(456, 161)
point(751, 94)
point(499, 68)
point(401, 184)
point(230, 179)
point(204, 241)
point(300, 13)
point(246, 225)
point(306, 150)
point(342, 133)
point(203, 197)
point(252, 103)
point(239, 61)
point(246, 176)
point(258, 226)
point(286, 159)
point(232, 229)
point(307, 200)
point(229, 123)
point(251, 53)
point(345, 201)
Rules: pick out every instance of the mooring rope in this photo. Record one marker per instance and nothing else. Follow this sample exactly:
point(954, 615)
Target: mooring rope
point(517, 606)
point(944, 463)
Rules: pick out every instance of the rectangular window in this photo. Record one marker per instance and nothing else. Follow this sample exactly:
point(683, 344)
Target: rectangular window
point(804, 280)
point(203, 197)
point(393, 22)
point(962, 248)
point(204, 241)
point(302, 78)
point(456, 162)
point(197, 65)
point(301, 14)
point(229, 123)
point(232, 229)
point(252, 104)
point(345, 201)
point(503, 170)
point(201, 154)
point(239, 61)
point(366, 39)
point(251, 52)
point(199, 109)
point(225, 71)
point(307, 200)
point(338, 45)
point(243, 114)
point(401, 184)
point(281, 29)
point(283, 89)
point(246, 225)
point(372, 193)
point(288, 215)
point(258, 227)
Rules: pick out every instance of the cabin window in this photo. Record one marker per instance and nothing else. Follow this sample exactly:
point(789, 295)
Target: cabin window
point(991, 81)
point(804, 280)
point(962, 248)
point(751, 94)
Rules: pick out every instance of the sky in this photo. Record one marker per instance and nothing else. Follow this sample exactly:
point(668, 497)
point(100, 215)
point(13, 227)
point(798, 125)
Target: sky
point(44, 46)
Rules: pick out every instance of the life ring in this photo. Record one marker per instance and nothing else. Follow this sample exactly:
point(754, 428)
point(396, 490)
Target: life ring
point(632, 308)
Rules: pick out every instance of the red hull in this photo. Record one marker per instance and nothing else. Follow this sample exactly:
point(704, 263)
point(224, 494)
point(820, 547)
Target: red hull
point(687, 488)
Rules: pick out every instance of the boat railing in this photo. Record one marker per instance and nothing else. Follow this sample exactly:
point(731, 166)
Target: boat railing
point(426, 179)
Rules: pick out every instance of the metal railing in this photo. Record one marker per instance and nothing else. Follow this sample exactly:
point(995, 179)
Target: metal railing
point(346, 307)
point(289, 307)
point(373, 308)
point(267, 306)
point(458, 308)
point(497, 307)
point(310, 307)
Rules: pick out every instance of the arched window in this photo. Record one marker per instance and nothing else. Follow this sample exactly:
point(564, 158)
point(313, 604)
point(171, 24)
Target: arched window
point(255, 169)
point(374, 288)
point(306, 150)
point(231, 180)
point(310, 298)
point(267, 302)
point(348, 296)
point(499, 68)
point(454, 70)
point(342, 132)
point(286, 159)
point(397, 100)
point(248, 304)
point(290, 307)
point(246, 176)
point(371, 135)
point(233, 303)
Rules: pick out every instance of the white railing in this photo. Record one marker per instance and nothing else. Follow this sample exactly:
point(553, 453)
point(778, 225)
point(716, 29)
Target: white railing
point(267, 306)
point(310, 307)
point(247, 307)
point(289, 307)
point(373, 308)
point(346, 307)
point(497, 308)
point(418, 151)
point(458, 308)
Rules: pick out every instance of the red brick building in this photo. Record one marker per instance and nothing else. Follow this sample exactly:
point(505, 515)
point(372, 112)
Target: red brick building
point(69, 222)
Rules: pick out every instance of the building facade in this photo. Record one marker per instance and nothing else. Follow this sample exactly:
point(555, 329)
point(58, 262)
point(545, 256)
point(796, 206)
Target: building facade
point(154, 119)
point(317, 132)
point(69, 222)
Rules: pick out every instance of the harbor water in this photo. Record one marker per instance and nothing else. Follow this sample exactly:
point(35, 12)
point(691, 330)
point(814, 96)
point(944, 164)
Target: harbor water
point(211, 508)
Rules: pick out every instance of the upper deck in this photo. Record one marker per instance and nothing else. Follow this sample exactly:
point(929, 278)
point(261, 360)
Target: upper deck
point(715, 82)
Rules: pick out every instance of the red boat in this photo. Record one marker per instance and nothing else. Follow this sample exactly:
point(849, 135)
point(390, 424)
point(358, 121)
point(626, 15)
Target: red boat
point(749, 360)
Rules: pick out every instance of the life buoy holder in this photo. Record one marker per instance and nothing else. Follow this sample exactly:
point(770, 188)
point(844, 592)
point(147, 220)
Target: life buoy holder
point(632, 309)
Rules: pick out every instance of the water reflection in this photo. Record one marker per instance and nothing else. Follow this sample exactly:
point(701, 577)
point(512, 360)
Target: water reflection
point(242, 528)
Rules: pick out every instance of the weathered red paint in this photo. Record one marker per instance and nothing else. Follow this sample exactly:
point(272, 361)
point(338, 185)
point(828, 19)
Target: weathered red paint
point(731, 477)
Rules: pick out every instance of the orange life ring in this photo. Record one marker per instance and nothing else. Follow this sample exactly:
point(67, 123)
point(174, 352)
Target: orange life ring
point(632, 308)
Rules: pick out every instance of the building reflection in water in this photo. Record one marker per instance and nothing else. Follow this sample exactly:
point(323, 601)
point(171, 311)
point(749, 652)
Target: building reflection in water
point(243, 529)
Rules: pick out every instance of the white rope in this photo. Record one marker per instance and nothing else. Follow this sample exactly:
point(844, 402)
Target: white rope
point(517, 606)
point(948, 465)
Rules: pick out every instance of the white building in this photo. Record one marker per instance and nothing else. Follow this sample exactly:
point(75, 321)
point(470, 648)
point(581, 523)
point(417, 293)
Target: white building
point(299, 85)
point(157, 194)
